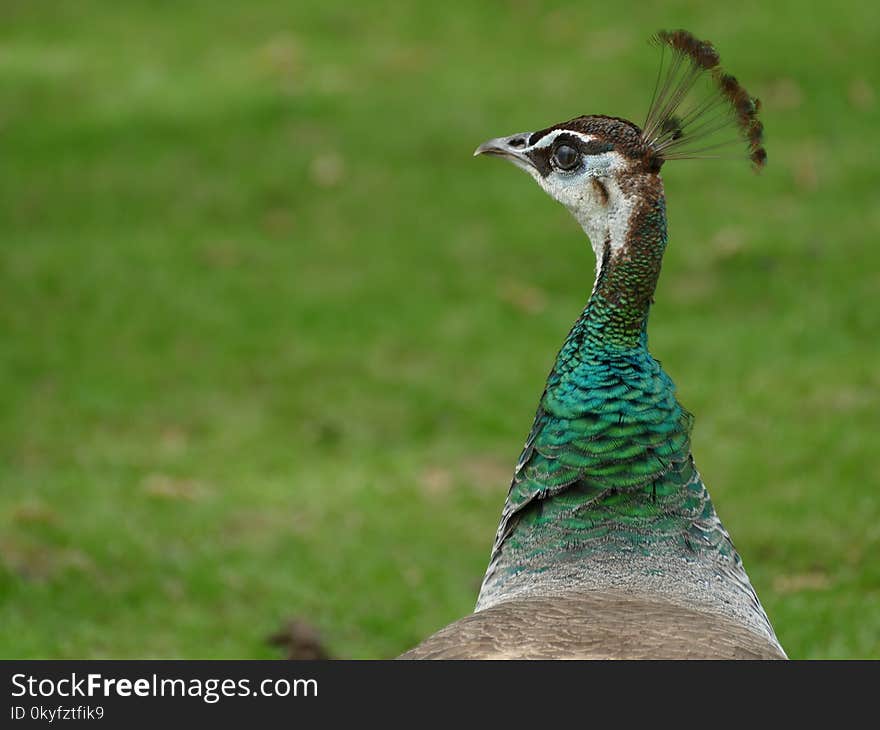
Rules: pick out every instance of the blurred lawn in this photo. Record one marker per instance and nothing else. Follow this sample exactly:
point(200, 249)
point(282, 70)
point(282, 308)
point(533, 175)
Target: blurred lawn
point(271, 339)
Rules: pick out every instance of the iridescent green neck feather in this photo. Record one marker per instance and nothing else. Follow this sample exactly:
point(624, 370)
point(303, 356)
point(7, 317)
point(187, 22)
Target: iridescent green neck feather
point(616, 316)
point(605, 492)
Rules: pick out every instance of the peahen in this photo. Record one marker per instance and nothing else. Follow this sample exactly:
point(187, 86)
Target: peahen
point(609, 545)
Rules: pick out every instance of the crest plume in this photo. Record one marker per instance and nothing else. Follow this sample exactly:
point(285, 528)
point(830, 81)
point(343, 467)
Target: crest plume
point(682, 125)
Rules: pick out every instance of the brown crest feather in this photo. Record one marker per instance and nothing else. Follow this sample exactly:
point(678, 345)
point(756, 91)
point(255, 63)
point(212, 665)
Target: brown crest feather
point(681, 124)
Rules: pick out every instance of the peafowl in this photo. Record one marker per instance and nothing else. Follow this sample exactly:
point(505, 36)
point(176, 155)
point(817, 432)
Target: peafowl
point(609, 545)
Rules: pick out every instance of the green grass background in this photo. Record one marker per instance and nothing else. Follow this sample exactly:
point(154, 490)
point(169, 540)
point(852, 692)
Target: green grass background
point(270, 339)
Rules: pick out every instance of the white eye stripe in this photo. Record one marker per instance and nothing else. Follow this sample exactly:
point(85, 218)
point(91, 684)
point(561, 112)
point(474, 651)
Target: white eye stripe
point(549, 138)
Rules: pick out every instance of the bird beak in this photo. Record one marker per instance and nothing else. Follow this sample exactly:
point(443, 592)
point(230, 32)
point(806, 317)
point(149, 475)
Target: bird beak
point(511, 148)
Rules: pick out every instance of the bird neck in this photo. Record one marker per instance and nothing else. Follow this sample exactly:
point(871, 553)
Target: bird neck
point(629, 243)
point(606, 494)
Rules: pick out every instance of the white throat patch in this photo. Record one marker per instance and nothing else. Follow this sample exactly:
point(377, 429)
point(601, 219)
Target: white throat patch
point(603, 217)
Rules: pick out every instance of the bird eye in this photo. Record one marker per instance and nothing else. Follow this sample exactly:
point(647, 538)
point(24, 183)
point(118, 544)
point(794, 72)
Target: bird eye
point(566, 157)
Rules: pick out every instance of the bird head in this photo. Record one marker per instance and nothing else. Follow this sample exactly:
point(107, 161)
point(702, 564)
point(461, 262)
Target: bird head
point(601, 167)
point(588, 164)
